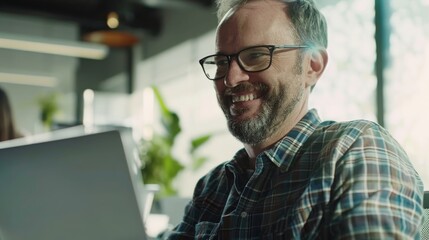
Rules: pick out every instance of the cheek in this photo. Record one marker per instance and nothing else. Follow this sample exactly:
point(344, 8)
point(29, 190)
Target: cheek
point(278, 67)
point(283, 65)
point(279, 73)
point(287, 77)
point(219, 87)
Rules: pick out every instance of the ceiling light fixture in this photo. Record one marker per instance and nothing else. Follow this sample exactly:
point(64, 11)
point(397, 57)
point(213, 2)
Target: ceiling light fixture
point(51, 46)
point(113, 20)
point(26, 79)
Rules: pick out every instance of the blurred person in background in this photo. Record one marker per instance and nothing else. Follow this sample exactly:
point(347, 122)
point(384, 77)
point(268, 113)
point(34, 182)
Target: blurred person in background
point(8, 129)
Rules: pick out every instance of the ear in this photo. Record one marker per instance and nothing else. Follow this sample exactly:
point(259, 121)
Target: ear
point(318, 61)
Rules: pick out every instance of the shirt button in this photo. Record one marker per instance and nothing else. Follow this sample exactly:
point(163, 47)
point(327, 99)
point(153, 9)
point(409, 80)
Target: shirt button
point(243, 214)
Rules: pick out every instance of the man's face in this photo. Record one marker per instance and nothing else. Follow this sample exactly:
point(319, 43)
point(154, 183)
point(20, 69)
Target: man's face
point(257, 104)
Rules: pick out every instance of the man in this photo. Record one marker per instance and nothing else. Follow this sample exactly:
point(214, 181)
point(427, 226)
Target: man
point(296, 177)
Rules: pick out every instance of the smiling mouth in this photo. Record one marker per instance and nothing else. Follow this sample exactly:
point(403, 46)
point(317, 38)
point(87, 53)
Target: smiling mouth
point(243, 98)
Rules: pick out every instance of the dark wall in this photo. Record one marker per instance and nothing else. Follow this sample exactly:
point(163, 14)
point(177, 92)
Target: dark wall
point(179, 26)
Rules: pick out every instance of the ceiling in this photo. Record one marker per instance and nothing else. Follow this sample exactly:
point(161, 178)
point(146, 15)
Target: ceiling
point(90, 15)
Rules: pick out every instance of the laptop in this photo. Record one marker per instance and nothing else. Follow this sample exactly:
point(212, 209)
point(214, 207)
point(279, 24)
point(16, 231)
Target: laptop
point(72, 184)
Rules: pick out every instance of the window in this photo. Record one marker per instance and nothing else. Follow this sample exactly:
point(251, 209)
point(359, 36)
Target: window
point(346, 90)
point(407, 82)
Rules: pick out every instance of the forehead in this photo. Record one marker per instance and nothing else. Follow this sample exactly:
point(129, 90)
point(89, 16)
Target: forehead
point(256, 22)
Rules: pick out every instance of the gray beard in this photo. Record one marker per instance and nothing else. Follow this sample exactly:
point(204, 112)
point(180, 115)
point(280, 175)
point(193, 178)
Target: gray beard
point(255, 130)
point(273, 113)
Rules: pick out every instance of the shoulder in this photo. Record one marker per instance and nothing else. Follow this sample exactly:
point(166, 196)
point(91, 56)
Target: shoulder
point(353, 128)
point(366, 146)
point(357, 142)
point(369, 135)
point(357, 132)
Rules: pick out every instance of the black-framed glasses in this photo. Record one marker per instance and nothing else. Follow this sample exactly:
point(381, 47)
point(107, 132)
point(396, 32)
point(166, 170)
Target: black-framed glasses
point(251, 59)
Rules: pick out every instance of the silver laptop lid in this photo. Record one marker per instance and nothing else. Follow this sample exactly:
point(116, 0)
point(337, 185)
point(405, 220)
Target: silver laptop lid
point(70, 185)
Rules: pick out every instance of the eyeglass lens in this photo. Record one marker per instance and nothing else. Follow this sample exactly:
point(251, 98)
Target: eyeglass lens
point(251, 60)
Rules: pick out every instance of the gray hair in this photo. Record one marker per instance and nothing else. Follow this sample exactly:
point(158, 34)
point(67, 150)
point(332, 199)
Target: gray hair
point(308, 22)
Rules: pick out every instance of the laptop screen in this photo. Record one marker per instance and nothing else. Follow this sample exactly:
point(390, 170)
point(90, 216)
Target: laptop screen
point(71, 186)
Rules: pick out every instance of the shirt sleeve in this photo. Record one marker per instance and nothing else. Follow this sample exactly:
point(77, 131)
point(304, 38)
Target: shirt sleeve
point(186, 229)
point(376, 194)
point(207, 197)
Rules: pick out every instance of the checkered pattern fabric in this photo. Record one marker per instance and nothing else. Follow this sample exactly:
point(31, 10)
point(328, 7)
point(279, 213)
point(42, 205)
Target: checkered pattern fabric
point(425, 229)
point(323, 180)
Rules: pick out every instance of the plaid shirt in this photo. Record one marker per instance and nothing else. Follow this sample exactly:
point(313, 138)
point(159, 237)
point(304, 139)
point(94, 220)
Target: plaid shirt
point(323, 180)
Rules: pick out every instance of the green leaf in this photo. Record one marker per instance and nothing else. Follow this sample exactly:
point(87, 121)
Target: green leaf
point(199, 141)
point(197, 162)
point(169, 119)
point(159, 98)
point(159, 165)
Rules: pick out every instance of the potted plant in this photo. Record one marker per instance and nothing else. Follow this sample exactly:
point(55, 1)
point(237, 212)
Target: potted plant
point(159, 165)
point(48, 108)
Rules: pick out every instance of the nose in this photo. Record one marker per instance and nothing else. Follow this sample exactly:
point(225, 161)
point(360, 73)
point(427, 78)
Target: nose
point(235, 75)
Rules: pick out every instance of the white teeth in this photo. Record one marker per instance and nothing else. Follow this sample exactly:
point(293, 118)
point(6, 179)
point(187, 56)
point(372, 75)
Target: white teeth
point(243, 98)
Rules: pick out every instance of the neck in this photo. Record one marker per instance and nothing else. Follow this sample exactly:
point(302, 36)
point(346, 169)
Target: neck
point(255, 149)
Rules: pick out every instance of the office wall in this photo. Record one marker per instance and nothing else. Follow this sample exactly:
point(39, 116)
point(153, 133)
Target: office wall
point(24, 98)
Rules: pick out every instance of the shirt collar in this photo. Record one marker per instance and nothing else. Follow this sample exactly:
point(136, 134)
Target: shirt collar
point(284, 151)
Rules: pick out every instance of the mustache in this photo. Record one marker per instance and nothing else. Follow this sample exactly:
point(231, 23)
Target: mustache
point(246, 86)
